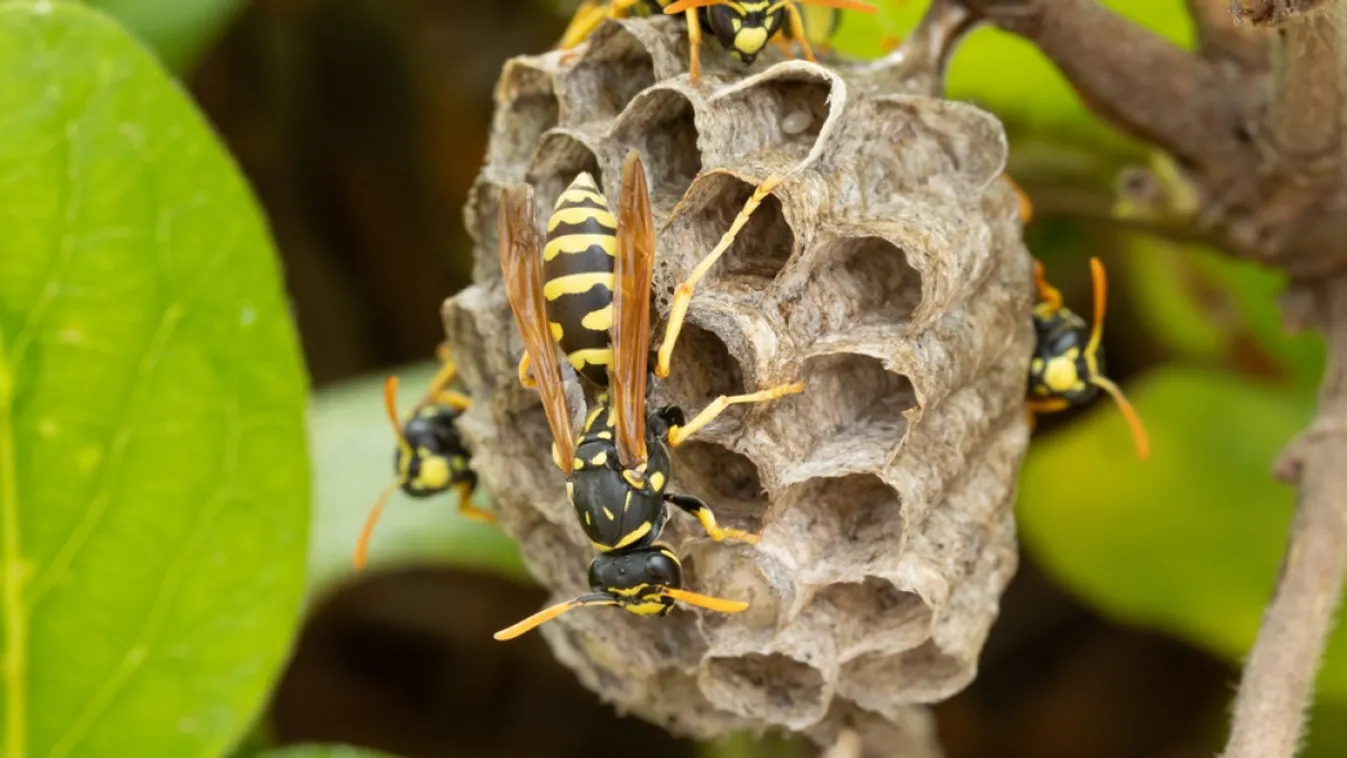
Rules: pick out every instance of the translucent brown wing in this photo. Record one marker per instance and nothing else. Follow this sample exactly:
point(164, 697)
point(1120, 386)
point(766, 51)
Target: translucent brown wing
point(633, 269)
point(521, 263)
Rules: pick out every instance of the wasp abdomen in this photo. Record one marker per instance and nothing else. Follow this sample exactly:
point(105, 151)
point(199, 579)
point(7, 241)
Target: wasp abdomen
point(578, 265)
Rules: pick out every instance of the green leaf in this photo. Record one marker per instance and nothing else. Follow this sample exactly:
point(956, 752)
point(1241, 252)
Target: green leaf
point(1200, 301)
point(180, 31)
point(154, 477)
point(1188, 542)
point(354, 448)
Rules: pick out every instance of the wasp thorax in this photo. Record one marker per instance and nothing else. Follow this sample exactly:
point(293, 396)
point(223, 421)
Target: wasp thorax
point(885, 272)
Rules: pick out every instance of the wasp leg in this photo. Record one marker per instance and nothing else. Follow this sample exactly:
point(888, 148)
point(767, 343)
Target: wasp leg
point(586, 19)
point(703, 513)
point(797, 30)
point(465, 489)
point(683, 295)
point(679, 434)
point(1026, 205)
point(456, 400)
point(524, 377)
point(694, 46)
point(1048, 405)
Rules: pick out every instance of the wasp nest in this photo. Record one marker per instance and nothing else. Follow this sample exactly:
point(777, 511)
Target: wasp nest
point(887, 272)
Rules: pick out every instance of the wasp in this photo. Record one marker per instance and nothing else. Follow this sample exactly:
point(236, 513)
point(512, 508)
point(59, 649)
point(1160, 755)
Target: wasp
point(431, 457)
point(618, 470)
point(742, 27)
point(1067, 369)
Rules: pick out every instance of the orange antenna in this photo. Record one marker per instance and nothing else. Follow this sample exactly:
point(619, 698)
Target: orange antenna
point(1129, 413)
point(706, 601)
point(362, 544)
point(1096, 336)
point(391, 407)
point(547, 614)
point(1100, 303)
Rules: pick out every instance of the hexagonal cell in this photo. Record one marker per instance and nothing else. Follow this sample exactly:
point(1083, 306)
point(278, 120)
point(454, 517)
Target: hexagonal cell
point(928, 676)
point(759, 251)
point(773, 687)
point(941, 146)
point(873, 615)
point(562, 155)
point(662, 125)
point(700, 370)
point(527, 107)
point(791, 106)
point(728, 482)
point(609, 75)
point(856, 408)
point(842, 526)
point(867, 280)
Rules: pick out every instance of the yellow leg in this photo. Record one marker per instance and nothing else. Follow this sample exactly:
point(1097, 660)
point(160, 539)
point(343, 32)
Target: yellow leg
point(524, 377)
point(797, 30)
point(695, 46)
point(1047, 405)
point(703, 513)
point(464, 491)
point(586, 19)
point(679, 434)
point(683, 295)
point(1026, 205)
point(455, 400)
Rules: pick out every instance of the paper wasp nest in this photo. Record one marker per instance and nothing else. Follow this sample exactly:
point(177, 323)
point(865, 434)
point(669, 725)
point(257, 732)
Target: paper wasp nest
point(887, 272)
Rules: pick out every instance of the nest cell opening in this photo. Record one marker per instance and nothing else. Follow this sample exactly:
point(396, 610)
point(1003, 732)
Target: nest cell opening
point(556, 163)
point(662, 125)
point(728, 482)
point(759, 251)
point(848, 524)
point(866, 281)
point(792, 110)
point(950, 147)
point(700, 370)
point(773, 688)
point(857, 408)
point(532, 109)
point(614, 70)
point(928, 675)
point(878, 616)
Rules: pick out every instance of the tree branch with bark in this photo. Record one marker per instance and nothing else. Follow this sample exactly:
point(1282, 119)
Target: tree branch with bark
point(1254, 120)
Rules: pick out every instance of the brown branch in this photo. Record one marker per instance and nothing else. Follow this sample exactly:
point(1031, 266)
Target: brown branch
point(1261, 141)
point(1135, 79)
point(1279, 676)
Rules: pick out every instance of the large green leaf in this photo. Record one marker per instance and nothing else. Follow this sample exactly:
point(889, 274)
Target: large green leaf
point(353, 460)
point(1204, 304)
point(155, 496)
point(179, 31)
point(1189, 541)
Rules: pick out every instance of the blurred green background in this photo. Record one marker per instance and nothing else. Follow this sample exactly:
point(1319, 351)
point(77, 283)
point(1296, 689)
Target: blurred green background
point(360, 124)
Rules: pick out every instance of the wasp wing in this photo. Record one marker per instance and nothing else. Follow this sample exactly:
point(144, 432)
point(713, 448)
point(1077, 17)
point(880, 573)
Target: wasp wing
point(633, 270)
point(522, 265)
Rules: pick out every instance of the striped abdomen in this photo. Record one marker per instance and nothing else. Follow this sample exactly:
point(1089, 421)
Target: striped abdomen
point(578, 266)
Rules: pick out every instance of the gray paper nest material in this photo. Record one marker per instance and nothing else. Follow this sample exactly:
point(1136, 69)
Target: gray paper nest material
point(887, 272)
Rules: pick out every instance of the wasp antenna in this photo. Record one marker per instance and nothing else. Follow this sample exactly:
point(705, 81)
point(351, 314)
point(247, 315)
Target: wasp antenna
point(391, 407)
point(362, 544)
point(706, 601)
point(684, 5)
point(1129, 413)
point(547, 614)
point(1100, 302)
point(848, 5)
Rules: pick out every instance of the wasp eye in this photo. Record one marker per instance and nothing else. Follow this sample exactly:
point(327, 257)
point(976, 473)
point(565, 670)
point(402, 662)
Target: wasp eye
point(725, 25)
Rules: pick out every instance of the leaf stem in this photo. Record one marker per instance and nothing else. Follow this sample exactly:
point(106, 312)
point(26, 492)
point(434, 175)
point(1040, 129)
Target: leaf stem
point(14, 670)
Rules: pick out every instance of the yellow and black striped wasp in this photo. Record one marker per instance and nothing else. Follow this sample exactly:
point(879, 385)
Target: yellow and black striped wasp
point(431, 457)
point(616, 473)
point(742, 27)
point(1067, 369)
